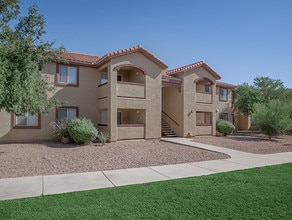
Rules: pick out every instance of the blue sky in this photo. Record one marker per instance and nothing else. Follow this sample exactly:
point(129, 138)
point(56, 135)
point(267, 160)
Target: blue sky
point(239, 39)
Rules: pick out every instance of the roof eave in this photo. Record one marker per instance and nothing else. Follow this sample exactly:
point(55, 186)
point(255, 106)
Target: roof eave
point(106, 58)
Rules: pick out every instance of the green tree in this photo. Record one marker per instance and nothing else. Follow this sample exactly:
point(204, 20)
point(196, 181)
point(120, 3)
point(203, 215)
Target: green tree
point(263, 90)
point(22, 56)
point(273, 118)
point(268, 88)
point(246, 96)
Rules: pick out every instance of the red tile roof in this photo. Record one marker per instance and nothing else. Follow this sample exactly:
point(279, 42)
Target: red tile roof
point(80, 58)
point(166, 77)
point(225, 85)
point(138, 48)
point(183, 69)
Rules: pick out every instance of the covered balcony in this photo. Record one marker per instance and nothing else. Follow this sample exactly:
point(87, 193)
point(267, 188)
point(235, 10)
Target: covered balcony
point(130, 81)
point(204, 123)
point(204, 90)
point(130, 124)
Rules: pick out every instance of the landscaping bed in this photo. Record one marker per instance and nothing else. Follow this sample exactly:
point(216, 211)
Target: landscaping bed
point(47, 158)
point(250, 142)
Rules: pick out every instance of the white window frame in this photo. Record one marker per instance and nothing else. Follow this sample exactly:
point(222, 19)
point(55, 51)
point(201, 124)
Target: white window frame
point(68, 109)
point(30, 121)
point(70, 72)
point(223, 96)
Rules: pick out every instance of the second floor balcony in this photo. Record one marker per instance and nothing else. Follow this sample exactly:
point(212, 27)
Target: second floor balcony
point(130, 90)
point(204, 98)
point(204, 91)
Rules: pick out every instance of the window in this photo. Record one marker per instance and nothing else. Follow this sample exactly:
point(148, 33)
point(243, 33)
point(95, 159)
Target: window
point(119, 118)
point(27, 121)
point(67, 112)
point(203, 118)
point(208, 89)
point(223, 94)
point(119, 78)
point(67, 75)
point(224, 116)
point(104, 78)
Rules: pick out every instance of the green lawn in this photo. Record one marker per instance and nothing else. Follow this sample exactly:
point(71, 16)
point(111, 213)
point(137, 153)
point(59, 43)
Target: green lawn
point(261, 193)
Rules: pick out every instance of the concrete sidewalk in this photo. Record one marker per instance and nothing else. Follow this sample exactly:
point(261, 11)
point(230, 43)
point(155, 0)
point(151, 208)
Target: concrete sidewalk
point(22, 187)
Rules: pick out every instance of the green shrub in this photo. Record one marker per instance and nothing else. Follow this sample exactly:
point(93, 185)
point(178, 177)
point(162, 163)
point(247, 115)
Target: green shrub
point(82, 130)
point(273, 118)
point(103, 137)
point(60, 129)
point(224, 127)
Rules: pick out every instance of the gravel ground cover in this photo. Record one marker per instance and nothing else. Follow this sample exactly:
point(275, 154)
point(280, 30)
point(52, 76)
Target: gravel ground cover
point(250, 142)
point(47, 158)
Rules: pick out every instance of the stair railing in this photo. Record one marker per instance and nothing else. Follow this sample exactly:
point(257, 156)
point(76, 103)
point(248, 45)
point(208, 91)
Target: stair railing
point(163, 112)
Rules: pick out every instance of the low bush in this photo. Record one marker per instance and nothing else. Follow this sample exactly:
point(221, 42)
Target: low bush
point(224, 127)
point(82, 131)
point(60, 130)
point(103, 137)
point(273, 118)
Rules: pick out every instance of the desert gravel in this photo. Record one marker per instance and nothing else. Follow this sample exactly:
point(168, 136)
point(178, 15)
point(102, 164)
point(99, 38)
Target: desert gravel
point(47, 158)
point(250, 142)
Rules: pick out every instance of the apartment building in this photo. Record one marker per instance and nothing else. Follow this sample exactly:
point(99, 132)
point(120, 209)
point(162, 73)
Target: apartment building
point(127, 93)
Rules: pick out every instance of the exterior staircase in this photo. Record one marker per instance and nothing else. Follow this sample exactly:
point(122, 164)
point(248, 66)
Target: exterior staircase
point(166, 130)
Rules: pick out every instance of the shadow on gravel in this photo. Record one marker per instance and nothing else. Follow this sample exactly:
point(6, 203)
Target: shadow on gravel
point(251, 139)
point(59, 145)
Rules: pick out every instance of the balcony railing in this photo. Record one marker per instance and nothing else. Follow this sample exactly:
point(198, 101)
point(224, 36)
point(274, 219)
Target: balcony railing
point(103, 90)
point(131, 90)
point(204, 98)
point(130, 131)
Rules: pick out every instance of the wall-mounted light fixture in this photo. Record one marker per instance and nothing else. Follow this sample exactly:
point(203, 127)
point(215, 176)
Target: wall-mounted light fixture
point(191, 112)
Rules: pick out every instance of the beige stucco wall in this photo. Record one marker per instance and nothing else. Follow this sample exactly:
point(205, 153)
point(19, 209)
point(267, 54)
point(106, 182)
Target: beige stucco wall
point(244, 122)
point(172, 105)
point(224, 106)
point(128, 90)
point(125, 133)
point(103, 91)
point(148, 99)
point(151, 102)
point(204, 98)
point(203, 130)
point(84, 97)
point(193, 103)
point(5, 124)
point(182, 106)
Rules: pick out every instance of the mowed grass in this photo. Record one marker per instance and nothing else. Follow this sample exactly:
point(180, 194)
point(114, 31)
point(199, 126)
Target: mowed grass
point(260, 193)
